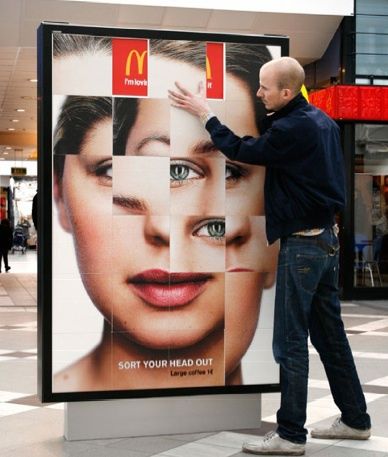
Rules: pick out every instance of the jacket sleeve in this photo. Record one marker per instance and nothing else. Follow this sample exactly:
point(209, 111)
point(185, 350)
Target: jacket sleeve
point(274, 148)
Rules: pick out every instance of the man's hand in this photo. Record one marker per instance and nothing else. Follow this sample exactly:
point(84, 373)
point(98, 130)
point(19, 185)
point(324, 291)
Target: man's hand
point(193, 103)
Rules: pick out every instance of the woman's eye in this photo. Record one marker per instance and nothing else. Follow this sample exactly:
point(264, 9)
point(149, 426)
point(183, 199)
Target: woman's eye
point(104, 173)
point(182, 172)
point(233, 173)
point(213, 229)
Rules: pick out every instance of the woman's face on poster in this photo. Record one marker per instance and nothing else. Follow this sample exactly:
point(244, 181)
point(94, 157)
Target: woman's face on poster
point(163, 231)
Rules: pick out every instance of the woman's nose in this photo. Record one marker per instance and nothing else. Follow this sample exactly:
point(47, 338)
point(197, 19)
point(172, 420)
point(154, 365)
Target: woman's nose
point(157, 231)
point(238, 230)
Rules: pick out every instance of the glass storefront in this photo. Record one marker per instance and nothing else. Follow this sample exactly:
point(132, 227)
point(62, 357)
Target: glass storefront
point(371, 206)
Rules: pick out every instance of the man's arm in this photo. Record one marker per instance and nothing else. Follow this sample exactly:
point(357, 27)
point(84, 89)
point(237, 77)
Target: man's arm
point(267, 149)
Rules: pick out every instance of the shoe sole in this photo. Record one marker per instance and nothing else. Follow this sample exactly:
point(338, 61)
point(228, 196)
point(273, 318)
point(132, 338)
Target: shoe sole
point(248, 451)
point(341, 437)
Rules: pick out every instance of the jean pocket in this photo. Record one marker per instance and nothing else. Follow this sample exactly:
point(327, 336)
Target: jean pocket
point(308, 271)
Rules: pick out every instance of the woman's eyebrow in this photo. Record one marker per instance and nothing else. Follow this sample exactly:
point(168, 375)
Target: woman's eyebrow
point(131, 203)
point(204, 147)
point(148, 139)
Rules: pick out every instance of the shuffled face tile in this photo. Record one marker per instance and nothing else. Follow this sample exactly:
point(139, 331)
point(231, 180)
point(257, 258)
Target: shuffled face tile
point(72, 298)
point(242, 309)
point(142, 127)
point(240, 114)
point(247, 59)
point(197, 186)
point(243, 292)
point(196, 329)
point(136, 364)
point(201, 364)
point(197, 244)
point(171, 61)
point(86, 70)
point(141, 185)
point(140, 244)
point(244, 186)
point(246, 245)
point(74, 357)
point(189, 139)
point(84, 216)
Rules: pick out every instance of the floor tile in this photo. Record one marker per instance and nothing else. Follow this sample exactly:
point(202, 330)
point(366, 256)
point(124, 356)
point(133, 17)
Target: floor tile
point(379, 382)
point(6, 409)
point(147, 444)
point(197, 449)
point(8, 396)
point(346, 452)
point(375, 443)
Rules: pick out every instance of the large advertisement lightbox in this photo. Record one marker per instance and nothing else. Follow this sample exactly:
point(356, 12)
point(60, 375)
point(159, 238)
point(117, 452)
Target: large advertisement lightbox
point(155, 277)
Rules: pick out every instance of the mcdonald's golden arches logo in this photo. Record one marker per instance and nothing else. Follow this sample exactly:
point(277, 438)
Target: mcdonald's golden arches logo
point(130, 67)
point(215, 70)
point(208, 69)
point(134, 53)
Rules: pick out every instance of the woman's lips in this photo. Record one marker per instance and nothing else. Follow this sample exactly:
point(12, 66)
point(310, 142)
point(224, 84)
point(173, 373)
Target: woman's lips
point(163, 289)
point(239, 270)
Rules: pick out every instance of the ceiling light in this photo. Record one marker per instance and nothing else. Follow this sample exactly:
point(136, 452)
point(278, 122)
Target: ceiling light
point(10, 129)
point(20, 110)
point(33, 80)
point(8, 147)
point(5, 153)
point(15, 120)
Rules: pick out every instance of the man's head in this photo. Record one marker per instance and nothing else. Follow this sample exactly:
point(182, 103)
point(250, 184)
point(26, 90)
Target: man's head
point(280, 81)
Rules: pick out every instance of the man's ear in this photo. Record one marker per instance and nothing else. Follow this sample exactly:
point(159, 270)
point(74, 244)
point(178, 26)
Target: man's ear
point(287, 93)
point(61, 207)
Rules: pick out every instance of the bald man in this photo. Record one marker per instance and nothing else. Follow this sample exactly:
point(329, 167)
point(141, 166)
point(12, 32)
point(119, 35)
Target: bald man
point(304, 191)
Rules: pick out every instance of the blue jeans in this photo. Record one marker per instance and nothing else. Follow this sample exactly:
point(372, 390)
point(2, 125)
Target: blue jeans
point(307, 303)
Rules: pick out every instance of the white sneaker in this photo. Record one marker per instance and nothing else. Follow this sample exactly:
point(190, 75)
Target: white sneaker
point(340, 431)
point(272, 444)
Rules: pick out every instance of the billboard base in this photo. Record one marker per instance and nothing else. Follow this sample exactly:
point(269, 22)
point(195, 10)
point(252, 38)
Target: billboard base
point(161, 416)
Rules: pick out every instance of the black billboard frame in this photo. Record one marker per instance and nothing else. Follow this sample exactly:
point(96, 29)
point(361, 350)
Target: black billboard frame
point(44, 70)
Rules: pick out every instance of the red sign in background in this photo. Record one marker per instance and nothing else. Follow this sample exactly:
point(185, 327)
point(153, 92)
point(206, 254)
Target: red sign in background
point(347, 102)
point(130, 67)
point(215, 70)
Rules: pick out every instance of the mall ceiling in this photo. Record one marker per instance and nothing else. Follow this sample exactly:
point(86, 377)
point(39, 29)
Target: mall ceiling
point(19, 19)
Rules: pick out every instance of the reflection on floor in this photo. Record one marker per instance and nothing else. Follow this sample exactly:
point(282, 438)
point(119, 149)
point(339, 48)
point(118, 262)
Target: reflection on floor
point(28, 428)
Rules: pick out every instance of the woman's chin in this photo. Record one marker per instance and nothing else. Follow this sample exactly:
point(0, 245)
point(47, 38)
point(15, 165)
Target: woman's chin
point(171, 340)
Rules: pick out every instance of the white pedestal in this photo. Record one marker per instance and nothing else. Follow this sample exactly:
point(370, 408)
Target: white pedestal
point(161, 416)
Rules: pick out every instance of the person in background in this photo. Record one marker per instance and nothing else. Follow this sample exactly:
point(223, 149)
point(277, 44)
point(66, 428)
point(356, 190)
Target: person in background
point(304, 190)
point(5, 243)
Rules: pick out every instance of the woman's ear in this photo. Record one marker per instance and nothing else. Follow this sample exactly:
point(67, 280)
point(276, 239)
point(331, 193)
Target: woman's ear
point(269, 280)
point(61, 207)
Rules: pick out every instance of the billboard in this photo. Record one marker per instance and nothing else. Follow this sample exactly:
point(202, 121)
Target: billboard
point(155, 277)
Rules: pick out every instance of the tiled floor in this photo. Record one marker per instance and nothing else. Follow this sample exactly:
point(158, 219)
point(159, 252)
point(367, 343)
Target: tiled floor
point(28, 428)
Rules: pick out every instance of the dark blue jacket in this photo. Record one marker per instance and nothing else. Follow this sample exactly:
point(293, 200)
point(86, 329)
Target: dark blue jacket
point(300, 148)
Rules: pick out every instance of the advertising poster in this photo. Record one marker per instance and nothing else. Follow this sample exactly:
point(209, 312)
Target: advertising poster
point(162, 279)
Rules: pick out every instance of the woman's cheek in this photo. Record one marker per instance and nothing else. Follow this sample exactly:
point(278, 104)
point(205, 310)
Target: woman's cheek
point(90, 213)
point(242, 311)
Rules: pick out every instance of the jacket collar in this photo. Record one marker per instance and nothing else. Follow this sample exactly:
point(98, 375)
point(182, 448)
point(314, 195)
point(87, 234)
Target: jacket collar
point(297, 102)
